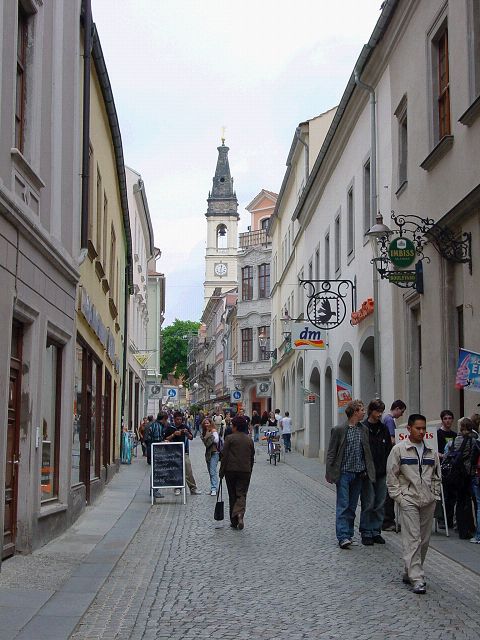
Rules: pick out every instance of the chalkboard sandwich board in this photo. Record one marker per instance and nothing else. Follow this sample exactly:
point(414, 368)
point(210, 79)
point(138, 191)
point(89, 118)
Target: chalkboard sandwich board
point(168, 466)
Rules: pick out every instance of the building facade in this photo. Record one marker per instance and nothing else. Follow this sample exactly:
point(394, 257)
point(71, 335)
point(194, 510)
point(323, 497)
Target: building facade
point(419, 71)
point(102, 299)
point(252, 368)
point(143, 250)
point(39, 236)
point(156, 315)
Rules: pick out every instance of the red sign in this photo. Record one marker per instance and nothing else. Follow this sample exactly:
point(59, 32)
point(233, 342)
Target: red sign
point(365, 310)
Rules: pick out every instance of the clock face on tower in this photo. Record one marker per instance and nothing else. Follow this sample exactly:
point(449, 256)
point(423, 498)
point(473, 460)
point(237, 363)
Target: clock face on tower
point(221, 269)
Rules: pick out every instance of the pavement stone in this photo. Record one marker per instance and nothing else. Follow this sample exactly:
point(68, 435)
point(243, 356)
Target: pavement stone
point(282, 577)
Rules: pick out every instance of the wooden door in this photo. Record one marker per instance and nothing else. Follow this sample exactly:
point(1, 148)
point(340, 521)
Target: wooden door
point(13, 440)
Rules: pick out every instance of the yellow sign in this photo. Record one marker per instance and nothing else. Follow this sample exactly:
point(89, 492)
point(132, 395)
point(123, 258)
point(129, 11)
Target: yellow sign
point(142, 358)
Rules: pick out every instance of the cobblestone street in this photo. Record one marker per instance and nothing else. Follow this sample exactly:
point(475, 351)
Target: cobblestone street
point(282, 577)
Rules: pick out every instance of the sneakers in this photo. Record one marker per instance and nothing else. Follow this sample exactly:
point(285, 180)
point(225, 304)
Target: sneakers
point(389, 527)
point(474, 541)
point(345, 544)
point(378, 539)
point(213, 492)
point(353, 542)
point(368, 542)
point(177, 492)
point(196, 492)
point(419, 588)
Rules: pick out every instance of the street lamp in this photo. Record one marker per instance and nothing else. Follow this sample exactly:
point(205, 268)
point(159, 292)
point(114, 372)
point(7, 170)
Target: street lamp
point(262, 343)
point(379, 230)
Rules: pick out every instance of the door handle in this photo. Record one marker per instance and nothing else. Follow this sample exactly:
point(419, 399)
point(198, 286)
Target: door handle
point(13, 461)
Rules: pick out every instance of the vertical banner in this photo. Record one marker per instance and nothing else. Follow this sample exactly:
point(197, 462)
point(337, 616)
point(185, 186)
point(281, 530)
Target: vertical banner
point(344, 395)
point(468, 370)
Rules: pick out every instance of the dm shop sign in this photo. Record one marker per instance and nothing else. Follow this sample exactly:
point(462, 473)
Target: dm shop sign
point(401, 252)
point(307, 336)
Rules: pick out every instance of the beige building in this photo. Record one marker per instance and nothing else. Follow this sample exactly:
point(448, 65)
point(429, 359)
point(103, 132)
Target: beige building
point(105, 286)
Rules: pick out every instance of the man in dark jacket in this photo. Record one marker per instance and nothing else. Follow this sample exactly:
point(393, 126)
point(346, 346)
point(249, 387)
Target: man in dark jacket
point(374, 493)
point(236, 466)
point(349, 462)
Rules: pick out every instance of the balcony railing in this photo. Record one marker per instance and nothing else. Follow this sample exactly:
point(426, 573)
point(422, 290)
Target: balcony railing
point(252, 238)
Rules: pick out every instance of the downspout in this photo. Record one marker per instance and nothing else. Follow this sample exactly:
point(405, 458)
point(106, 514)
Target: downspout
point(298, 135)
point(87, 49)
point(373, 211)
point(125, 349)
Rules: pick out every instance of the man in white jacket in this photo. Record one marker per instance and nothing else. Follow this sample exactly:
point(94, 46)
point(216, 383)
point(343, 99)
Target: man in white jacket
point(413, 481)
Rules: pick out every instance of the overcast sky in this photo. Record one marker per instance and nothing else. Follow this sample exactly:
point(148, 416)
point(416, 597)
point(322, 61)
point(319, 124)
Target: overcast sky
point(182, 69)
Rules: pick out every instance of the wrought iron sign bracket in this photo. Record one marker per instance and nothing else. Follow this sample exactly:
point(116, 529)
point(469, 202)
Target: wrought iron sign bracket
point(327, 306)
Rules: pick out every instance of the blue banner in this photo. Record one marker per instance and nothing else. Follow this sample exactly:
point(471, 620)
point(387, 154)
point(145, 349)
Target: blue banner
point(468, 370)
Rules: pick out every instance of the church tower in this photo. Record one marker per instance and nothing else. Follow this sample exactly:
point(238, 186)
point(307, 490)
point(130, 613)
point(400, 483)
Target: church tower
point(222, 222)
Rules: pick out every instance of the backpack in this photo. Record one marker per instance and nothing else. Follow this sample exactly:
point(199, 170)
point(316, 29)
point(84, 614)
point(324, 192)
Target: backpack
point(156, 432)
point(454, 472)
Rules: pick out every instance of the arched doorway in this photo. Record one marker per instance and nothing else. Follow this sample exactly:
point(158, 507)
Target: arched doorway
point(313, 420)
point(367, 370)
point(345, 368)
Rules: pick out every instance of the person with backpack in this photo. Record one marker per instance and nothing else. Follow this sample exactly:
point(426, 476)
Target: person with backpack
point(475, 472)
point(154, 433)
point(457, 475)
point(213, 444)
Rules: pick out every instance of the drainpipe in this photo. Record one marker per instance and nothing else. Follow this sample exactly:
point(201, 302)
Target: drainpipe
point(87, 49)
point(124, 364)
point(298, 135)
point(373, 211)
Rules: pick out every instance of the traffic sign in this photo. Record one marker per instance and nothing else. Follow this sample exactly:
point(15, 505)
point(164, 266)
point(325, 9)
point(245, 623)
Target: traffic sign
point(172, 393)
point(236, 396)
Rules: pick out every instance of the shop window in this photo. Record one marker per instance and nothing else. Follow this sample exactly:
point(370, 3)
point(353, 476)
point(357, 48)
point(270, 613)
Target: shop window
point(51, 404)
point(21, 82)
point(77, 415)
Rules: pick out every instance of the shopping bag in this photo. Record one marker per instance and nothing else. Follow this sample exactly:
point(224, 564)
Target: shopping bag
point(219, 512)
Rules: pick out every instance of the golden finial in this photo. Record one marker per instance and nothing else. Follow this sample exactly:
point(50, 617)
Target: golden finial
point(223, 135)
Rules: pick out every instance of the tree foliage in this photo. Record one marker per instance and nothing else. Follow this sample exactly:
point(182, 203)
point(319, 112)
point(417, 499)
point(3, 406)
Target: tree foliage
point(175, 348)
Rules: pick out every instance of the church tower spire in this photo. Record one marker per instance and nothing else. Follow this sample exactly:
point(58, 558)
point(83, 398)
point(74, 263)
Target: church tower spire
point(222, 199)
point(222, 230)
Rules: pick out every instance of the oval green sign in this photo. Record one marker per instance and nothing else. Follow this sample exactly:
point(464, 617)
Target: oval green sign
point(401, 252)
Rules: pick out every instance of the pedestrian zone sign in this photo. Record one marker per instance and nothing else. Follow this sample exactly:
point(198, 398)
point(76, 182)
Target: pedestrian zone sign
point(236, 396)
point(172, 393)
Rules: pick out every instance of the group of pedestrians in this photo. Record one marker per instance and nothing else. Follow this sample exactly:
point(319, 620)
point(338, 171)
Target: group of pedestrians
point(365, 464)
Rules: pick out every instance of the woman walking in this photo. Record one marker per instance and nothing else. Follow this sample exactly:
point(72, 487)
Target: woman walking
point(236, 467)
point(211, 441)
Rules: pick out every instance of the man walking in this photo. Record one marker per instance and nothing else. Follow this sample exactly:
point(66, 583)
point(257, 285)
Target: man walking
point(446, 434)
point(374, 493)
point(286, 427)
point(349, 462)
point(413, 481)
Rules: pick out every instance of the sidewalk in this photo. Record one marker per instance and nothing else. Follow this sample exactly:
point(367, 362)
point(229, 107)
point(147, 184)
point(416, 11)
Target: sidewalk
point(45, 594)
point(461, 551)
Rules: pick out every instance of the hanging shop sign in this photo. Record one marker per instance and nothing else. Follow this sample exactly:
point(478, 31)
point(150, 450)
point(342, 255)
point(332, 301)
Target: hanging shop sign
point(307, 336)
point(327, 302)
point(365, 310)
point(401, 252)
point(263, 389)
point(468, 370)
point(309, 398)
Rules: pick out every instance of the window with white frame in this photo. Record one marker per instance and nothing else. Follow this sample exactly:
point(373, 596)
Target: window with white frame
point(367, 203)
point(327, 257)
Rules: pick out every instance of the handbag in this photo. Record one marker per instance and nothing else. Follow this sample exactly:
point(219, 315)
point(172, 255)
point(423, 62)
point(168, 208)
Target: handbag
point(219, 512)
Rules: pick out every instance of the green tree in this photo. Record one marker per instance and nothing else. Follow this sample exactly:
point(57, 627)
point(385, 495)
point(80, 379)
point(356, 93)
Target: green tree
point(175, 347)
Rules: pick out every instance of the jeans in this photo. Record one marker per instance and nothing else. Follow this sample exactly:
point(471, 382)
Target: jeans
point(287, 441)
point(373, 507)
point(256, 433)
point(212, 470)
point(349, 486)
point(476, 493)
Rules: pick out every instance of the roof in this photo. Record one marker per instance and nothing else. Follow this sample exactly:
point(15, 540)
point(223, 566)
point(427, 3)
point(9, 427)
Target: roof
point(264, 193)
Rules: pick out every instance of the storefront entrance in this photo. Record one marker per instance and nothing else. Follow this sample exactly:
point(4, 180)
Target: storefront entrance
point(13, 441)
